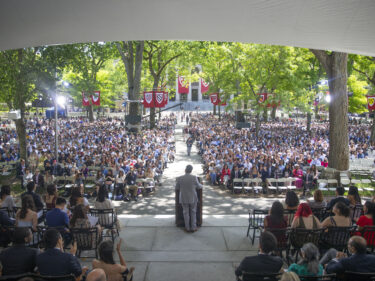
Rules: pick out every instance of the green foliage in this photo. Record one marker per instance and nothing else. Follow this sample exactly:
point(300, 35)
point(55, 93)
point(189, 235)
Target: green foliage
point(358, 101)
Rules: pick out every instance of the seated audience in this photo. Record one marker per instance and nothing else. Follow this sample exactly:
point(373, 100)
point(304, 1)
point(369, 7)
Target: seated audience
point(51, 196)
point(264, 262)
point(5, 197)
point(354, 197)
point(276, 218)
point(318, 200)
point(76, 198)
point(54, 261)
point(341, 216)
point(339, 198)
point(19, 258)
point(106, 261)
point(359, 261)
point(26, 216)
point(309, 264)
point(36, 198)
point(5, 237)
point(289, 276)
point(304, 218)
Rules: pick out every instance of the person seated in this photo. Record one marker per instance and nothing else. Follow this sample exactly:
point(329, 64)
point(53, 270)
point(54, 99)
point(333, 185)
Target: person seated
point(339, 198)
point(341, 216)
point(106, 261)
point(309, 264)
point(235, 174)
point(276, 220)
point(367, 219)
point(359, 261)
point(57, 217)
point(264, 262)
point(5, 197)
point(76, 198)
point(291, 200)
point(19, 258)
point(131, 186)
point(51, 196)
point(5, 237)
point(36, 198)
point(26, 216)
point(318, 200)
point(289, 276)
point(304, 218)
point(54, 261)
point(354, 197)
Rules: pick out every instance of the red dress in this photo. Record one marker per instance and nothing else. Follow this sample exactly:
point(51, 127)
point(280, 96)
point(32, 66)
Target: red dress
point(365, 221)
point(225, 173)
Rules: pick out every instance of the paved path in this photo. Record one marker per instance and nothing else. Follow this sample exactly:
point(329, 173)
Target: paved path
point(162, 252)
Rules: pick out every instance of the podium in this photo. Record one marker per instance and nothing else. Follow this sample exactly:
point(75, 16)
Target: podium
point(178, 209)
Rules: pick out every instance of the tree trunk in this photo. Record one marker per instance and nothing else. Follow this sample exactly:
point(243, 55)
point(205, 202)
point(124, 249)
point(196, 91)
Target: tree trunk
point(257, 125)
point(273, 113)
point(152, 117)
point(21, 133)
point(265, 114)
point(91, 113)
point(214, 109)
point(335, 65)
point(308, 121)
point(372, 137)
point(245, 105)
point(317, 117)
point(219, 113)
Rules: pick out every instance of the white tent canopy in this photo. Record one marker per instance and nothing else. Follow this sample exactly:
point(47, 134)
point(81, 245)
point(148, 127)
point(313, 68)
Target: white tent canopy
point(340, 25)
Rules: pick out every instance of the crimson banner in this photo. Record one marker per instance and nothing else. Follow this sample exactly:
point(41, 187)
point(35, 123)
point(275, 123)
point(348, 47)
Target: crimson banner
point(371, 103)
point(215, 98)
point(262, 97)
point(183, 87)
point(165, 98)
point(158, 99)
point(85, 100)
point(95, 98)
point(204, 86)
point(148, 99)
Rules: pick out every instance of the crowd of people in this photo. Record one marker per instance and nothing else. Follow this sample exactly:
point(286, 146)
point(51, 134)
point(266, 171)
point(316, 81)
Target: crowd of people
point(280, 150)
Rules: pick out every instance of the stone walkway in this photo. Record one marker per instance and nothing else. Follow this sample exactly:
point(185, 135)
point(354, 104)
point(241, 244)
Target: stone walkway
point(162, 252)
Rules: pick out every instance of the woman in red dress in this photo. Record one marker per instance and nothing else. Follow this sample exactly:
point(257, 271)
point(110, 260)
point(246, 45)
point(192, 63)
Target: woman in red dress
point(367, 220)
point(225, 172)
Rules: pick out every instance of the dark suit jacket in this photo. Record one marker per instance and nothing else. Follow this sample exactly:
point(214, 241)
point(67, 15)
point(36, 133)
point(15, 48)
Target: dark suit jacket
point(5, 220)
point(19, 171)
point(337, 199)
point(18, 259)
point(356, 263)
point(40, 180)
point(53, 262)
point(233, 174)
point(260, 264)
point(37, 200)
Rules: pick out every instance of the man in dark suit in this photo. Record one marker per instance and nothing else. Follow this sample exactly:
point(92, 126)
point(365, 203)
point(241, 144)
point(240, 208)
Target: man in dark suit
point(359, 261)
point(5, 237)
point(54, 261)
point(264, 262)
point(339, 198)
point(187, 185)
point(19, 258)
point(20, 170)
point(31, 191)
point(235, 174)
point(39, 180)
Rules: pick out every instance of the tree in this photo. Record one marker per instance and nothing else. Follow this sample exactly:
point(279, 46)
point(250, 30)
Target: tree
point(89, 59)
point(335, 65)
point(131, 53)
point(158, 55)
point(23, 73)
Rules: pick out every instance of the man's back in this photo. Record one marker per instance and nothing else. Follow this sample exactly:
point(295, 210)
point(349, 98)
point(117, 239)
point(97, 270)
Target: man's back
point(18, 259)
point(187, 184)
point(56, 218)
point(355, 263)
point(260, 264)
point(53, 262)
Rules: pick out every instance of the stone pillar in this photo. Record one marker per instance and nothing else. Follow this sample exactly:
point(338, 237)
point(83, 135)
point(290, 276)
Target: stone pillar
point(189, 95)
point(177, 94)
point(199, 90)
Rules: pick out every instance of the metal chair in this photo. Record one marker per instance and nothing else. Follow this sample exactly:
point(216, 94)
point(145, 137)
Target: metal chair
point(357, 276)
point(336, 237)
point(320, 213)
point(356, 212)
point(326, 277)
point(107, 219)
point(237, 185)
point(247, 185)
point(281, 235)
point(256, 222)
point(290, 215)
point(87, 239)
point(300, 236)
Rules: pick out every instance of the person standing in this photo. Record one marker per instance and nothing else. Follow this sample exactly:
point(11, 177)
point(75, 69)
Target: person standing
point(187, 185)
point(189, 144)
